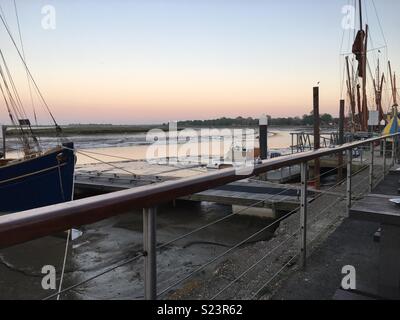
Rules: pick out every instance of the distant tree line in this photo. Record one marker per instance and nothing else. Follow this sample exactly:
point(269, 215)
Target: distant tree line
point(307, 120)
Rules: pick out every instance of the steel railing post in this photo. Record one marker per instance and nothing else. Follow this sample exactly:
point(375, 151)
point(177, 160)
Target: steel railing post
point(149, 247)
point(303, 213)
point(384, 158)
point(349, 178)
point(371, 168)
point(393, 152)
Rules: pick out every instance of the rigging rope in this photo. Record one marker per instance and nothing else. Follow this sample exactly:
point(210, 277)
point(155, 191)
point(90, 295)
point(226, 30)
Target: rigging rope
point(58, 128)
point(23, 54)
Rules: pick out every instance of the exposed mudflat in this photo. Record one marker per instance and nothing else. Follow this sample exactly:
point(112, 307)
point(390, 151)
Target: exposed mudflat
point(109, 242)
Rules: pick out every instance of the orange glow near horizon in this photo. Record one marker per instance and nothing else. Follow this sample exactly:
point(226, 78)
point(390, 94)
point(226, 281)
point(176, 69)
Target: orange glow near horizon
point(141, 62)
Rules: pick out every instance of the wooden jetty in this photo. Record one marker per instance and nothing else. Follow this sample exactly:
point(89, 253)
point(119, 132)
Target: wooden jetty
point(264, 198)
point(251, 197)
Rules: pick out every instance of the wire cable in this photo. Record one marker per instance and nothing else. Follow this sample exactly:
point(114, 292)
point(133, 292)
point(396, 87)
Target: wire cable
point(225, 253)
point(255, 265)
point(274, 276)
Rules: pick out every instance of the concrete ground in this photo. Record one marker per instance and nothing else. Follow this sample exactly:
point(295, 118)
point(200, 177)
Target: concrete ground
point(351, 244)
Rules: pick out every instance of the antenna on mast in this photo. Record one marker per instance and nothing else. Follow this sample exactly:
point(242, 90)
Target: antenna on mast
point(361, 16)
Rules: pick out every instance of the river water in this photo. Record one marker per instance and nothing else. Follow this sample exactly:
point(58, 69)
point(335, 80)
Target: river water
point(138, 146)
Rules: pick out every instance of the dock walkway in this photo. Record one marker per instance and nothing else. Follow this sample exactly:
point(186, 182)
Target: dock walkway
point(352, 243)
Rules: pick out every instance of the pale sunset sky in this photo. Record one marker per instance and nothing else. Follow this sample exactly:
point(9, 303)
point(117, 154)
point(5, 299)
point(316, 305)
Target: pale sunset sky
point(152, 61)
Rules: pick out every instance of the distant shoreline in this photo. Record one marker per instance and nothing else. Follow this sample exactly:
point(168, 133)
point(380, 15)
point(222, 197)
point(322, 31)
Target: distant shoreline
point(72, 130)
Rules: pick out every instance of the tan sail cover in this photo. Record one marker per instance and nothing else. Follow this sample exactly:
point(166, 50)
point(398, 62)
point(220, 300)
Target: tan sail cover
point(358, 50)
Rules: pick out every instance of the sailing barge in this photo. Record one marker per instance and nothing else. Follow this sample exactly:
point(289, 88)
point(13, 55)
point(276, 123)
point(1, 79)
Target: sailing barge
point(40, 177)
point(364, 114)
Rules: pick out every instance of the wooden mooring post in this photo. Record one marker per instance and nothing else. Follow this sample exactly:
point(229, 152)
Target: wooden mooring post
point(317, 142)
point(264, 137)
point(341, 139)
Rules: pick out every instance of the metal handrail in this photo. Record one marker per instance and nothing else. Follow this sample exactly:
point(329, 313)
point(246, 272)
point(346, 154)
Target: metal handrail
point(28, 225)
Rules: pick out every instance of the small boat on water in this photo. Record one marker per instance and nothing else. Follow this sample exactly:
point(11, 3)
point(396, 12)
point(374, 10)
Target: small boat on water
point(39, 177)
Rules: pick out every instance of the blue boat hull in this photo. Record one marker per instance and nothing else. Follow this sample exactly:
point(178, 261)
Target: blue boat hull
point(38, 182)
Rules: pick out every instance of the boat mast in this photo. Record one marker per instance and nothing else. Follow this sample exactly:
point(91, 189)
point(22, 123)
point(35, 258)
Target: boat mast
point(350, 91)
point(350, 87)
point(378, 87)
point(393, 85)
point(395, 90)
point(360, 48)
point(364, 118)
point(364, 83)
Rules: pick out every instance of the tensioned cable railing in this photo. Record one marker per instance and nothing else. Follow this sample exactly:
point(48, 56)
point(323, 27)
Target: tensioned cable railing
point(274, 249)
point(123, 263)
point(316, 218)
point(25, 226)
point(164, 245)
point(231, 249)
point(269, 253)
point(246, 208)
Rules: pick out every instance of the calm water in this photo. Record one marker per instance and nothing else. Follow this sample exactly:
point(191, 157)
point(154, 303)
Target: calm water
point(113, 148)
point(278, 141)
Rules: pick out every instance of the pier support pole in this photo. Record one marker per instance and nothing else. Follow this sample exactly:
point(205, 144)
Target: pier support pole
point(303, 214)
point(149, 246)
point(371, 167)
point(264, 137)
point(317, 142)
point(349, 178)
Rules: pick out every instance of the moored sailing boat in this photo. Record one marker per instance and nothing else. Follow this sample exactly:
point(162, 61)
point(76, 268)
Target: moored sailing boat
point(40, 177)
point(44, 179)
point(363, 114)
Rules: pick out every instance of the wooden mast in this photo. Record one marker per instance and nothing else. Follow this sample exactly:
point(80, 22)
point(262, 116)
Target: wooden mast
point(378, 87)
point(350, 89)
point(359, 102)
point(364, 84)
point(395, 90)
point(393, 84)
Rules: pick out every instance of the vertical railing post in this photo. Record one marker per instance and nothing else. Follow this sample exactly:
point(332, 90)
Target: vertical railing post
point(149, 246)
point(384, 158)
point(349, 178)
point(371, 167)
point(392, 163)
point(303, 214)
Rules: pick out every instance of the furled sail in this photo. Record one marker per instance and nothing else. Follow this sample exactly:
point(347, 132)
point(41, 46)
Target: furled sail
point(358, 50)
